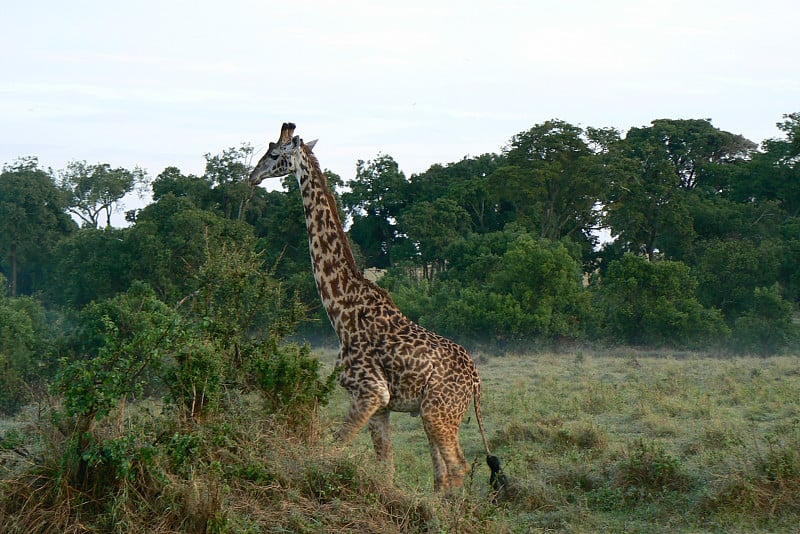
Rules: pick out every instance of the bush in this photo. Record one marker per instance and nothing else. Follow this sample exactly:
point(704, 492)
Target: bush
point(766, 328)
point(654, 303)
point(119, 347)
point(26, 337)
point(195, 375)
point(515, 287)
point(289, 379)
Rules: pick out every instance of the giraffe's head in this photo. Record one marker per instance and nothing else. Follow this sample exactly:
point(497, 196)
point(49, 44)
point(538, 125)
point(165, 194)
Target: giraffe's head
point(281, 157)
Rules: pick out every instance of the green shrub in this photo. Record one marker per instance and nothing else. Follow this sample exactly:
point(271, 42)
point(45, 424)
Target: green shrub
point(289, 379)
point(654, 303)
point(124, 339)
point(647, 470)
point(515, 287)
point(26, 339)
point(195, 375)
point(766, 328)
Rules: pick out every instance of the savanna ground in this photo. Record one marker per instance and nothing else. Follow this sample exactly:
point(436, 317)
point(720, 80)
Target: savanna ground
point(611, 441)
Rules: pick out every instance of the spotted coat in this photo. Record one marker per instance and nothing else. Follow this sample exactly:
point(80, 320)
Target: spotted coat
point(388, 362)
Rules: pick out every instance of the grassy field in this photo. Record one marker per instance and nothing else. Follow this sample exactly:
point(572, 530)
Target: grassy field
point(630, 442)
point(624, 441)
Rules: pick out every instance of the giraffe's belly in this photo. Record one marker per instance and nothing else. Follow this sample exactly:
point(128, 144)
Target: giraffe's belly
point(406, 390)
point(405, 405)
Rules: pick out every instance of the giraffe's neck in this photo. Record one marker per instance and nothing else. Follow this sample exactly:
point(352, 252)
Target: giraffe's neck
point(342, 286)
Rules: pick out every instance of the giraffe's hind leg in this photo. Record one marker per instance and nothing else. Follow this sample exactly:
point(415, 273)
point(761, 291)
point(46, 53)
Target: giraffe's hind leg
point(380, 430)
point(449, 463)
point(439, 467)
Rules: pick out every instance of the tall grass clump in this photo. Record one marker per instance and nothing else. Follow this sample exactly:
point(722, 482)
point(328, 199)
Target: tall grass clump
point(765, 484)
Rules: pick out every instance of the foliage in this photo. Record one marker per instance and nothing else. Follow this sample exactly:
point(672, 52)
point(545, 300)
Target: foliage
point(27, 340)
point(32, 219)
point(484, 233)
point(170, 241)
point(235, 319)
point(767, 327)
point(431, 227)
point(224, 336)
point(550, 182)
point(228, 173)
point(468, 183)
point(729, 271)
point(118, 346)
point(289, 378)
point(374, 202)
point(93, 191)
point(90, 265)
point(646, 303)
point(510, 285)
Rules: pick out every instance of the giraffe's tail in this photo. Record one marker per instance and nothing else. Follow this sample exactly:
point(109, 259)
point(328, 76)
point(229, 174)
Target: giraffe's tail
point(497, 480)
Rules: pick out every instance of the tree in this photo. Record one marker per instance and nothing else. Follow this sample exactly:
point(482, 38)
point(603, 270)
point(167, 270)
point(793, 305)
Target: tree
point(468, 184)
point(26, 338)
point(645, 200)
point(661, 164)
point(431, 227)
point(774, 173)
point(503, 286)
point(90, 265)
point(32, 219)
point(227, 173)
point(542, 280)
point(767, 327)
point(549, 180)
point(729, 271)
point(374, 202)
point(92, 192)
point(195, 189)
point(223, 188)
point(692, 145)
point(169, 242)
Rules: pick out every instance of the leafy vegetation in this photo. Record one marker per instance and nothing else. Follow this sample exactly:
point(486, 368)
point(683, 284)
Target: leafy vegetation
point(156, 386)
point(500, 248)
point(630, 441)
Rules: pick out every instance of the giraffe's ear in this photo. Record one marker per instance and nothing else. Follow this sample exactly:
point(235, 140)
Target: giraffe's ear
point(311, 144)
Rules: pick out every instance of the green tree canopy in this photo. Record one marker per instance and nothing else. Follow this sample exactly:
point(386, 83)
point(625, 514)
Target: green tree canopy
point(467, 183)
point(654, 303)
point(92, 192)
point(374, 202)
point(32, 219)
point(549, 180)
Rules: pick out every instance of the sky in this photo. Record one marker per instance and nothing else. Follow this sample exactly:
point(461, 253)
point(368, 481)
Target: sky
point(161, 83)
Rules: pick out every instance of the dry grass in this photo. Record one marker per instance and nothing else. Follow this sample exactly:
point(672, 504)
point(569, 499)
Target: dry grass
point(593, 442)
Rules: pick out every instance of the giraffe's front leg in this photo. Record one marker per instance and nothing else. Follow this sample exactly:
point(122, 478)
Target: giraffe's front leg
point(366, 403)
point(380, 430)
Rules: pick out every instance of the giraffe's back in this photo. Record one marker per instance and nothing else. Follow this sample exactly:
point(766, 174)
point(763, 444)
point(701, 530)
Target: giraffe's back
point(418, 363)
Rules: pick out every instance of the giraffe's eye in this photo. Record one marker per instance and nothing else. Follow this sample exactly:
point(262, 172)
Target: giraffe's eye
point(273, 156)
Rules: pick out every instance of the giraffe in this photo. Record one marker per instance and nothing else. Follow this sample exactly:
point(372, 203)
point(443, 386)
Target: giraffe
point(388, 363)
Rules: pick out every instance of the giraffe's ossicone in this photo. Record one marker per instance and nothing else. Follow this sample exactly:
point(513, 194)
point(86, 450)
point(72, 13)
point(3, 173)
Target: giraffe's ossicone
point(388, 362)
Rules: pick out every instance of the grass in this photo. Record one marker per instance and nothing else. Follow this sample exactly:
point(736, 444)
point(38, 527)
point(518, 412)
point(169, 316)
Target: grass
point(627, 441)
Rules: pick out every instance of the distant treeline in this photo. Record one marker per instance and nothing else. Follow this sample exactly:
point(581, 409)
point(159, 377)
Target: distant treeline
point(505, 247)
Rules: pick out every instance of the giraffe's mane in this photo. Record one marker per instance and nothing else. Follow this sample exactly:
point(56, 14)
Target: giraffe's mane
point(331, 201)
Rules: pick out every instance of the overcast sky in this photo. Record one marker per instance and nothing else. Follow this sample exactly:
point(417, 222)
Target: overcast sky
point(159, 83)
